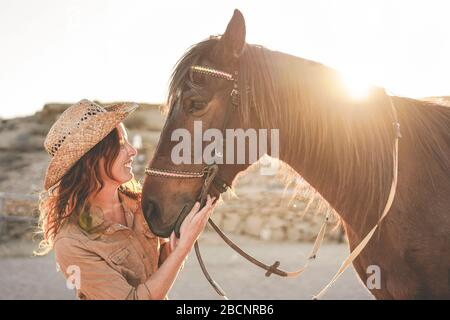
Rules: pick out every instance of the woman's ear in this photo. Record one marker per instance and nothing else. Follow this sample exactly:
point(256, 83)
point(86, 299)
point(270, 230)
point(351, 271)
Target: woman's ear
point(232, 42)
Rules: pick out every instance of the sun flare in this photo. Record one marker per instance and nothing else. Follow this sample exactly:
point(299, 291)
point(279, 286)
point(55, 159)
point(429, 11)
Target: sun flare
point(356, 85)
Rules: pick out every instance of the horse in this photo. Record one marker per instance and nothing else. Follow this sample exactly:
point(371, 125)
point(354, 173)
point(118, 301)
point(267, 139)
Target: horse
point(343, 147)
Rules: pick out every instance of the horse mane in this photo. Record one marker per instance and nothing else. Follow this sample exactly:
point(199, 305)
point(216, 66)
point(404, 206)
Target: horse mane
point(427, 123)
point(341, 139)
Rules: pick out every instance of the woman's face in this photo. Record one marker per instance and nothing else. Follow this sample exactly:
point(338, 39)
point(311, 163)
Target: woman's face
point(121, 167)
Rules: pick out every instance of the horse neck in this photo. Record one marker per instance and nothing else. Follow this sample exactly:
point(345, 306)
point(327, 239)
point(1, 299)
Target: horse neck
point(340, 146)
point(346, 157)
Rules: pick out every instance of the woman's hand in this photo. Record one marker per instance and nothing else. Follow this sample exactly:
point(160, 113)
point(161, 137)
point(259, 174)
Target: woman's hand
point(192, 226)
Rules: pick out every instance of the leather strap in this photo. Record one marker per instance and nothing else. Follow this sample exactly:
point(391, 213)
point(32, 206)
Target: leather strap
point(214, 284)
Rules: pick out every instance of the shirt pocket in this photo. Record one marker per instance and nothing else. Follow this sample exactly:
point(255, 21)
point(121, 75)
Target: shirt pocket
point(119, 256)
point(126, 263)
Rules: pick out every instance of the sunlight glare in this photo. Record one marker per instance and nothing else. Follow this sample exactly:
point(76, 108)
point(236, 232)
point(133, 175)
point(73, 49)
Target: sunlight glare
point(357, 86)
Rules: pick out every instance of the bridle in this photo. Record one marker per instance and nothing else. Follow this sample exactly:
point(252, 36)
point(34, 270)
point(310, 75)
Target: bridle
point(210, 170)
point(210, 175)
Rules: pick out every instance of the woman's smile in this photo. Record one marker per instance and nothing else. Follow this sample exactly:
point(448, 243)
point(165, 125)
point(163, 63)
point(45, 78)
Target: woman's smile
point(128, 164)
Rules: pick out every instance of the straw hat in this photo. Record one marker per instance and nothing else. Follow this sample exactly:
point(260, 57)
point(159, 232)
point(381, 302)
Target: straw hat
point(77, 130)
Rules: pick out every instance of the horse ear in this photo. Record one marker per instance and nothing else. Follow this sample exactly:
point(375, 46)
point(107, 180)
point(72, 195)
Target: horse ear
point(232, 42)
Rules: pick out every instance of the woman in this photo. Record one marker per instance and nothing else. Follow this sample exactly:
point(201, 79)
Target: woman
point(92, 216)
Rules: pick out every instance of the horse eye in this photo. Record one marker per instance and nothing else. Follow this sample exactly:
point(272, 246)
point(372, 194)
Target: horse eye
point(197, 105)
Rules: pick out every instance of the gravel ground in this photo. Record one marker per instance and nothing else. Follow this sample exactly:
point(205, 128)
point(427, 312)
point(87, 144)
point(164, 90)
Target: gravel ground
point(36, 277)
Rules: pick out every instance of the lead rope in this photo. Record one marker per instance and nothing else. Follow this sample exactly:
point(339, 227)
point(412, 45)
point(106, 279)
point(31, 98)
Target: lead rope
point(389, 202)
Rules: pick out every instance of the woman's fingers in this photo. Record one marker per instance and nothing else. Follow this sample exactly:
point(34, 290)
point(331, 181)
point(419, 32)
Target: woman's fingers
point(194, 224)
point(206, 208)
point(193, 211)
point(196, 208)
point(205, 212)
point(198, 217)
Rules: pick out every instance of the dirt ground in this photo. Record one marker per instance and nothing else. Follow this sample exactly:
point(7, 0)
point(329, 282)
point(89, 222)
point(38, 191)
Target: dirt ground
point(25, 277)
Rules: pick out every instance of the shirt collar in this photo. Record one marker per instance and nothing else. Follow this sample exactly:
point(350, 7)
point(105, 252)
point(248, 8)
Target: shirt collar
point(93, 223)
point(130, 207)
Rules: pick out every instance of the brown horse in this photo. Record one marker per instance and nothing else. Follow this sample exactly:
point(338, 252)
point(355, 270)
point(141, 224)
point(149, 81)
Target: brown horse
point(341, 146)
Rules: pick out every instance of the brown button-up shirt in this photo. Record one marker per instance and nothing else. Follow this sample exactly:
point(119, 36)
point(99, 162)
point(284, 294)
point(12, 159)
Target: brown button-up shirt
point(106, 260)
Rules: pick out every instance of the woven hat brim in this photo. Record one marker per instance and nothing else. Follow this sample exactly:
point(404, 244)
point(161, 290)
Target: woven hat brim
point(80, 142)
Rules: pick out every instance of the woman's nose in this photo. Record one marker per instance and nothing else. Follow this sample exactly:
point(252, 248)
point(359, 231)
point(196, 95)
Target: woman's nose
point(132, 151)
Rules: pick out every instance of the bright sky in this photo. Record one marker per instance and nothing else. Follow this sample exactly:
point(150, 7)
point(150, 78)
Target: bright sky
point(63, 51)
